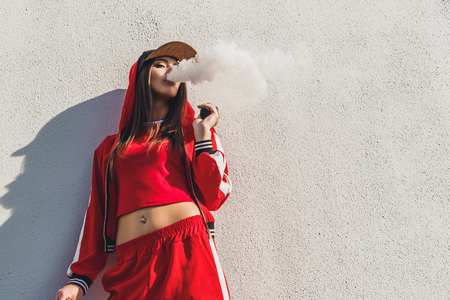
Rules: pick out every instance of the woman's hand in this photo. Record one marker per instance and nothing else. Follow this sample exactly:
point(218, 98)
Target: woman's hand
point(202, 127)
point(70, 291)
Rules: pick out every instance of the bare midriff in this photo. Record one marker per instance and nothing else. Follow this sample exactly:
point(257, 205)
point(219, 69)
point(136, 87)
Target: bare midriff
point(131, 226)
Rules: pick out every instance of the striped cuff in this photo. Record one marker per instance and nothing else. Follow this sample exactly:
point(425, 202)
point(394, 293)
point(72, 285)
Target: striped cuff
point(203, 146)
point(82, 281)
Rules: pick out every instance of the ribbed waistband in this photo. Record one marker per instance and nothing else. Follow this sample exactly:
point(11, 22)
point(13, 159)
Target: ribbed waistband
point(162, 233)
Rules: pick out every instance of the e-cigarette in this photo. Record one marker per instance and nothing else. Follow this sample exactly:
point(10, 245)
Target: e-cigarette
point(204, 112)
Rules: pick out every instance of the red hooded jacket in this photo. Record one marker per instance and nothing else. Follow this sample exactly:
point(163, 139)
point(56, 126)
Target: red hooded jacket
point(208, 173)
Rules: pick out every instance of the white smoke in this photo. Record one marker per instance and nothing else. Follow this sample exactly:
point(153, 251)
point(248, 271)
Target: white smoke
point(237, 69)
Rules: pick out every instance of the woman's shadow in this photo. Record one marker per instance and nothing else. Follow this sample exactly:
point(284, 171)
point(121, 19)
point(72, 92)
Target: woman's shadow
point(49, 198)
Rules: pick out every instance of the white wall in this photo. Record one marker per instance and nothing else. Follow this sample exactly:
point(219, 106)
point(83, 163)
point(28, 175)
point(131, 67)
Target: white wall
point(340, 175)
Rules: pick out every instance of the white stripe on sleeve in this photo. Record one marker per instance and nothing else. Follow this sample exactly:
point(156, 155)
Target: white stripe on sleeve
point(77, 252)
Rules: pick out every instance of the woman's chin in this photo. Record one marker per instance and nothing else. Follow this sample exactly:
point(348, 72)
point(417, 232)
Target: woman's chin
point(165, 95)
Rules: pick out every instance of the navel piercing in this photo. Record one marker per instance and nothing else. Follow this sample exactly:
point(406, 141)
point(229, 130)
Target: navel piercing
point(143, 219)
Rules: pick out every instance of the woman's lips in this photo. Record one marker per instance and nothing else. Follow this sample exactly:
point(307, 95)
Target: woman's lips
point(170, 82)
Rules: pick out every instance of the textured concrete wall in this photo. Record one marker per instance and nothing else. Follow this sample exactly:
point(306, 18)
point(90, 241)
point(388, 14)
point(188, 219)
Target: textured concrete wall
point(341, 174)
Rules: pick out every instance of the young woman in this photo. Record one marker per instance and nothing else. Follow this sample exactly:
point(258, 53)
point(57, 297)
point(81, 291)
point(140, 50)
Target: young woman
point(153, 187)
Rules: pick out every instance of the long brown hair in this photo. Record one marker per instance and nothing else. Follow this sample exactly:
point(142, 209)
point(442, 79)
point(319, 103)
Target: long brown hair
point(142, 113)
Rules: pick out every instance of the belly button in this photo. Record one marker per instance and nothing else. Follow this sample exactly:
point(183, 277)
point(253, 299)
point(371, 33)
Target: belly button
point(143, 219)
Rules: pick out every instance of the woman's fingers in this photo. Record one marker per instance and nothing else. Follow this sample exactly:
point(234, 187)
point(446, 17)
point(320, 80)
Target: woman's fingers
point(70, 291)
point(211, 107)
point(213, 118)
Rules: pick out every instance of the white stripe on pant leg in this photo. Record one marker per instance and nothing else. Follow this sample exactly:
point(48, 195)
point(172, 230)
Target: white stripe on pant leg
point(222, 281)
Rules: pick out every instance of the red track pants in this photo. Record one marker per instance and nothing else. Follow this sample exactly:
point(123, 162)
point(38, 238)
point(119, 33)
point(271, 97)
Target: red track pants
point(174, 262)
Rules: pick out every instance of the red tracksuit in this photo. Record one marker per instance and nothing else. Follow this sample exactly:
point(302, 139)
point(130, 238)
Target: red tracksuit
point(169, 270)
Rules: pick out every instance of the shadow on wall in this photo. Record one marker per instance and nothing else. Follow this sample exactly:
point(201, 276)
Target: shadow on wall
point(49, 199)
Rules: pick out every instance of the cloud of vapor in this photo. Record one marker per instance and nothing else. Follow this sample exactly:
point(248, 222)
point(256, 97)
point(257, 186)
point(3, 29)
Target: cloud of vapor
point(238, 70)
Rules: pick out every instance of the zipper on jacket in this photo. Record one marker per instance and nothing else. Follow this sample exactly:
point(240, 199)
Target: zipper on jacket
point(106, 208)
point(105, 219)
point(191, 185)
